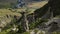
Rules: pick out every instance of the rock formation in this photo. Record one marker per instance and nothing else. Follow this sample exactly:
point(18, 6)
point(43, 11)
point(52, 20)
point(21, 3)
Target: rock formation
point(52, 12)
point(54, 4)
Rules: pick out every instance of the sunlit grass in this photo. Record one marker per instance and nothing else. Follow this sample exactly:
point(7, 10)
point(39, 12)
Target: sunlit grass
point(7, 12)
point(37, 4)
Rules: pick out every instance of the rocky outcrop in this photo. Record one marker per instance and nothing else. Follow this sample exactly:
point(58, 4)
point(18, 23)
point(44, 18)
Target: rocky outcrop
point(54, 7)
point(52, 24)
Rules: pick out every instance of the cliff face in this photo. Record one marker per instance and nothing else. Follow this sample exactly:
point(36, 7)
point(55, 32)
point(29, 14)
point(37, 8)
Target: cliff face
point(55, 8)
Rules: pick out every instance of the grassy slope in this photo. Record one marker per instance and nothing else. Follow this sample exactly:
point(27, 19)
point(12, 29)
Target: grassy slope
point(7, 11)
point(4, 12)
point(37, 4)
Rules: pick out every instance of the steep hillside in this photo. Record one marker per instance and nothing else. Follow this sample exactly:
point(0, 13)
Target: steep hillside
point(29, 20)
point(54, 7)
point(9, 15)
point(37, 4)
point(6, 16)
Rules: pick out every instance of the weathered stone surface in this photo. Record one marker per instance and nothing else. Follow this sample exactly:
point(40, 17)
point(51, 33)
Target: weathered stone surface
point(54, 7)
point(52, 25)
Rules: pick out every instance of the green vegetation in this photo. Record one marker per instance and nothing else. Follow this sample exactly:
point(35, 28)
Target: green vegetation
point(13, 22)
point(37, 22)
point(26, 33)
